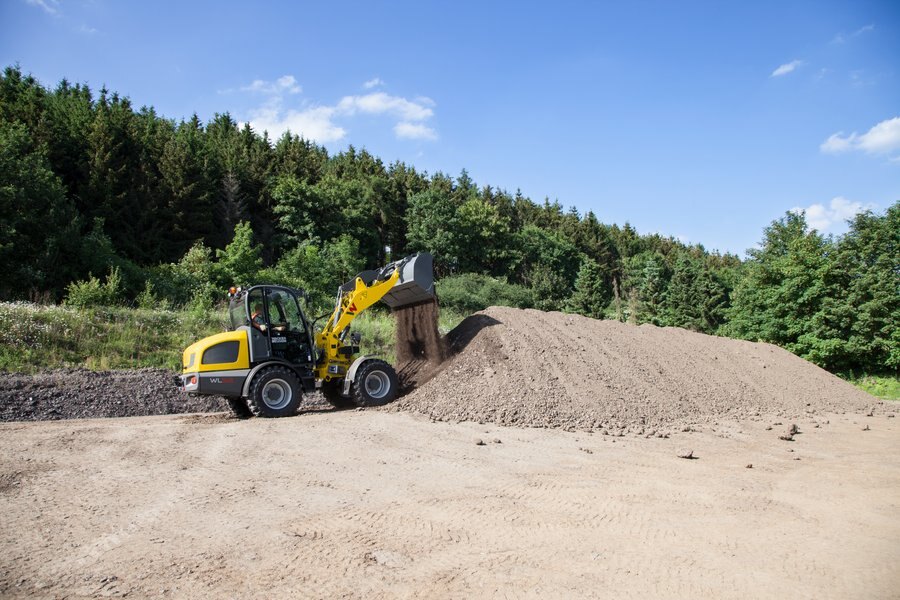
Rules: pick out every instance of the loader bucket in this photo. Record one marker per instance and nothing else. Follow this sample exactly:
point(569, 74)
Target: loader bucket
point(416, 283)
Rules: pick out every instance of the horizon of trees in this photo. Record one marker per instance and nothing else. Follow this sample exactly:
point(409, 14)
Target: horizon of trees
point(174, 212)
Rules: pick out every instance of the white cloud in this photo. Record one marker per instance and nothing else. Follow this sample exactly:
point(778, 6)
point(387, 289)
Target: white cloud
point(414, 131)
point(841, 38)
point(320, 122)
point(87, 30)
point(283, 84)
point(51, 7)
point(313, 123)
point(827, 218)
point(380, 103)
point(786, 68)
point(882, 138)
point(374, 82)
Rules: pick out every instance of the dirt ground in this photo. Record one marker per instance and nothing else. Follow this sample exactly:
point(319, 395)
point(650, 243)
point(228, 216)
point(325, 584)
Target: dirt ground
point(368, 504)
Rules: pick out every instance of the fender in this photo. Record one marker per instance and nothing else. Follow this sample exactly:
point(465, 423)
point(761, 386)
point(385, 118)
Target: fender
point(351, 372)
point(260, 367)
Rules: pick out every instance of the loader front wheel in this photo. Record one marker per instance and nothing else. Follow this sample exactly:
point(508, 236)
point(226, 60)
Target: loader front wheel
point(239, 407)
point(376, 384)
point(274, 392)
point(331, 390)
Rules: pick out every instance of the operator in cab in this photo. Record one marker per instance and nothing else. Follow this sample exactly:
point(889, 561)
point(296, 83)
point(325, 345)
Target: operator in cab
point(258, 318)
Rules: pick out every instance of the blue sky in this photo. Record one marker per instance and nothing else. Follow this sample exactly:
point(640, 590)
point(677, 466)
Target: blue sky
point(701, 120)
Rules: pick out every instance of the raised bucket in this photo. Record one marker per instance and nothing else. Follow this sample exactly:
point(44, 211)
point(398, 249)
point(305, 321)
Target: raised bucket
point(416, 283)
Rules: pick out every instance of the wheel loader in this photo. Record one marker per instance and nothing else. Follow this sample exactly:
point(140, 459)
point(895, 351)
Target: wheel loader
point(273, 354)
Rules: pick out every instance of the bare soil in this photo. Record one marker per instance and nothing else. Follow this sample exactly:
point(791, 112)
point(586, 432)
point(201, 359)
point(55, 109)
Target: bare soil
point(369, 504)
point(531, 368)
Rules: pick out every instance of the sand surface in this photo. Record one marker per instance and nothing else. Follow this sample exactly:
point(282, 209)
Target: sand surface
point(372, 504)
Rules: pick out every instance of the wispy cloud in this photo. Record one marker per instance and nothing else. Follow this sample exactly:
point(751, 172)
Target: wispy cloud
point(882, 138)
point(826, 219)
point(327, 123)
point(787, 68)
point(284, 84)
point(841, 38)
point(86, 30)
point(414, 131)
point(51, 7)
point(373, 83)
point(378, 103)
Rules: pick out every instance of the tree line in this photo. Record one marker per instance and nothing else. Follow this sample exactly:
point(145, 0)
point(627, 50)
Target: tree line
point(173, 212)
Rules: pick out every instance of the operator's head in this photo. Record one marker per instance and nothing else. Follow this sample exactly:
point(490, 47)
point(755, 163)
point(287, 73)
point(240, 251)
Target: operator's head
point(257, 308)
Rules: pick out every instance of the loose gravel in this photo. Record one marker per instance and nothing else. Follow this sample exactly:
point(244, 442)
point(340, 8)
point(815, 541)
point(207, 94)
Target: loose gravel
point(531, 368)
point(80, 393)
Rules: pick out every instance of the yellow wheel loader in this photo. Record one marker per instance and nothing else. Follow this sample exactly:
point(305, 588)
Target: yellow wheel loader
point(273, 354)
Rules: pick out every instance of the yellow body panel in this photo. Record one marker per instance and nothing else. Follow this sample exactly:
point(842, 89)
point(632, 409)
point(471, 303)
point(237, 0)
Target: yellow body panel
point(192, 358)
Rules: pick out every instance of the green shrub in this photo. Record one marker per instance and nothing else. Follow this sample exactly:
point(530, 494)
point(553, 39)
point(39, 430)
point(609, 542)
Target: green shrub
point(470, 292)
point(91, 293)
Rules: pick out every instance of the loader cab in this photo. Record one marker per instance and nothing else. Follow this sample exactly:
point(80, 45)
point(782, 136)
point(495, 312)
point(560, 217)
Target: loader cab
point(275, 324)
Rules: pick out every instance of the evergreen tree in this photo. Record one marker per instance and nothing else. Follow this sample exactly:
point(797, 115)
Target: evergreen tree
point(592, 291)
point(38, 231)
point(241, 260)
point(185, 186)
point(857, 325)
point(782, 287)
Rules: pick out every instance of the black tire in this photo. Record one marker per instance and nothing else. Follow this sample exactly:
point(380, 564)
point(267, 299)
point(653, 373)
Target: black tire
point(274, 392)
point(239, 407)
point(331, 390)
point(376, 384)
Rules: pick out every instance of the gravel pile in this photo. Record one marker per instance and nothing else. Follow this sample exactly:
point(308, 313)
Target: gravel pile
point(79, 393)
point(531, 368)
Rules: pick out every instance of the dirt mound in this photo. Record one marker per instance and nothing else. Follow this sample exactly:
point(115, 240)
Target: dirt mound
point(79, 393)
point(531, 368)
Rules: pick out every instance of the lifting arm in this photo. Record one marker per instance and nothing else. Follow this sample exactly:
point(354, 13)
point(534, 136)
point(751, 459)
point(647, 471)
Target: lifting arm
point(402, 283)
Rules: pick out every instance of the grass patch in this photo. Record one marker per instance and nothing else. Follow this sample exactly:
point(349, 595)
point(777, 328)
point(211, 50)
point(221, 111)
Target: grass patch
point(886, 387)
point(34, 336)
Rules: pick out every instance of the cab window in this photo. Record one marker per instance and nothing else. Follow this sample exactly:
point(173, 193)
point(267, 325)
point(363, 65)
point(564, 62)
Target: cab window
point(238, 313)
point(257, 309)
point(284, 313)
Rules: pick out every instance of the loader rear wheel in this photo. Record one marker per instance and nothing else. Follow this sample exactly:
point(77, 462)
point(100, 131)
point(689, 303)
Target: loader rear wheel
point(376, 384)
point(239, 407)
point(274, 392)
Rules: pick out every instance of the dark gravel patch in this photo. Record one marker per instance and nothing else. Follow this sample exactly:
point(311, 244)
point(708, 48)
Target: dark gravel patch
point(80, 393)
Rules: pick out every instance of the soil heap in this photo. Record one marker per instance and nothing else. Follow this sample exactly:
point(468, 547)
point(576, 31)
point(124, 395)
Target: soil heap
point(532, 368)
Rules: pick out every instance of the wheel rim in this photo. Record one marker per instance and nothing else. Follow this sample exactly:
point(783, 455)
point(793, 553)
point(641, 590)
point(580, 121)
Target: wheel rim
point(277, 394)
point(378, 384)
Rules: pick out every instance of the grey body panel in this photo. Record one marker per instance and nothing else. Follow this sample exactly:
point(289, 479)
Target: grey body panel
point(351, 372)
point(256, 343)
point(225, 383)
